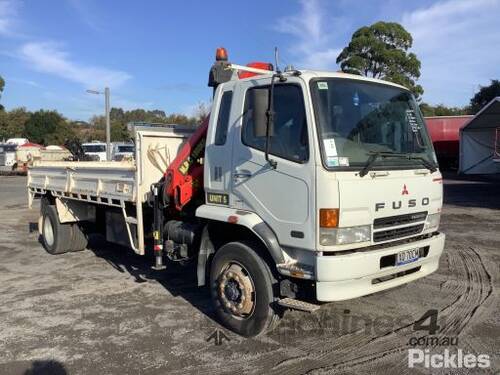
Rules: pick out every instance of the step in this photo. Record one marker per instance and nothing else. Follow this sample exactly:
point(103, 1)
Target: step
point(296, 304)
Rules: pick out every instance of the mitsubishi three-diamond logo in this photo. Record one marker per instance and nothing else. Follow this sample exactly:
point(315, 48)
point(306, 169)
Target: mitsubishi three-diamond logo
point(405, 190)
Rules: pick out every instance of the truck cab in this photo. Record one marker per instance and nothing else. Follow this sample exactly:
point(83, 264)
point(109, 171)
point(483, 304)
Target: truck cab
point(349, 187)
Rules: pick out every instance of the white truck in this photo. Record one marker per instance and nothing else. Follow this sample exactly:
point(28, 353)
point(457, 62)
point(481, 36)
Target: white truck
point(7, 154)
point(122, 150)
point(302, 187)
point(96, 149)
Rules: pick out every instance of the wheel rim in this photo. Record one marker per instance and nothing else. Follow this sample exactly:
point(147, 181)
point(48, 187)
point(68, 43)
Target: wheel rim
point(236, 290)
point(48, 231)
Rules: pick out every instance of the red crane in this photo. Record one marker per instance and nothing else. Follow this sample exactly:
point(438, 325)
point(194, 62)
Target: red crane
point(184, 175)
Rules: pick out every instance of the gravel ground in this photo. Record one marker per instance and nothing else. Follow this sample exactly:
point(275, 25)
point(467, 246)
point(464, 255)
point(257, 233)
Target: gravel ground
point(104, 311)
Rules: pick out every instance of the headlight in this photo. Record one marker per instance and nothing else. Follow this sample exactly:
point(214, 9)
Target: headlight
point(432, 221)
point(342, 236)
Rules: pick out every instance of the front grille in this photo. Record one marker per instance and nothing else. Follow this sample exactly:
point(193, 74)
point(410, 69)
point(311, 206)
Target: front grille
point(392, 221)
point(392, 234)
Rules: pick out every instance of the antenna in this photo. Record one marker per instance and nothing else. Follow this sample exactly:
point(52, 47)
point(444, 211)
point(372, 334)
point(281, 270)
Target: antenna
point(276, 59)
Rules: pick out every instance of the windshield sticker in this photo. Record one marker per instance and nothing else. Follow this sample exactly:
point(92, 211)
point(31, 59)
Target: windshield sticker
point(322, 85)
point(332, 161)
point(343, 161)
point(412, 120)
point(330, 148)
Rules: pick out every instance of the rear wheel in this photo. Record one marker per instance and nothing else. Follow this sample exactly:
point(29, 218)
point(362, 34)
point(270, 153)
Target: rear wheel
point(44, 203)
point(241, 287)
point(56, 237)
point(79, 239)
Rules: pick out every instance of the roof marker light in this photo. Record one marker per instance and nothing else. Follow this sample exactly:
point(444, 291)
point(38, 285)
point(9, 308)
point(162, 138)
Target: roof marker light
point(221, 54)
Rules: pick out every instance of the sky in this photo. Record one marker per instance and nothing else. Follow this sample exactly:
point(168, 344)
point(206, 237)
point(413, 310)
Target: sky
point(156, 54)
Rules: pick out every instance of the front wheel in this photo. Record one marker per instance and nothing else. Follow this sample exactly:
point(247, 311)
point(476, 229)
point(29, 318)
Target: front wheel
point(241, 287)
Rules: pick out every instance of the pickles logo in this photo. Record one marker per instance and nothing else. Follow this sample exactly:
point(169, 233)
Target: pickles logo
point(451, 357)
point(447, 359)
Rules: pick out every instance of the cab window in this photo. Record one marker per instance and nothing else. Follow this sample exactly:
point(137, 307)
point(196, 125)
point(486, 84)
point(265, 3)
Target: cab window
point(223, 118)
point(288, 138)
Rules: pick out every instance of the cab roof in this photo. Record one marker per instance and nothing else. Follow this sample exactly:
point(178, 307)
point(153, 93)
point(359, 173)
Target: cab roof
point(311, 74)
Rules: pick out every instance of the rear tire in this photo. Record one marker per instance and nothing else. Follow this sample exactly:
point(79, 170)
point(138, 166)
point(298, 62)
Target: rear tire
point(79, 239)
point(44, 203)
point(241, 287)
point(56, 237)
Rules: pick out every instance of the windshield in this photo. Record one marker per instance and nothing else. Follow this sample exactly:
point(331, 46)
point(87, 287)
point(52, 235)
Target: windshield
point(94, 148)
point(125, 149)
point(356, 119)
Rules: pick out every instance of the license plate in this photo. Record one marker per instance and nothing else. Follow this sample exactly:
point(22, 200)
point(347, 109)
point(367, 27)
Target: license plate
point(407, 256)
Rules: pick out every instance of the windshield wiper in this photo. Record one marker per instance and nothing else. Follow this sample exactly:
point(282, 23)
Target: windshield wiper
point(374, 155)
point(426, 163)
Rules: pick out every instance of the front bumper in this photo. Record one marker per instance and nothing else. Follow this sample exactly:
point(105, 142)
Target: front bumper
point(340, 277)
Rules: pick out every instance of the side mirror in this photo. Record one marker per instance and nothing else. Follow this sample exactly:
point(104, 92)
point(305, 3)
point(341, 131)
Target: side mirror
point(260, 100)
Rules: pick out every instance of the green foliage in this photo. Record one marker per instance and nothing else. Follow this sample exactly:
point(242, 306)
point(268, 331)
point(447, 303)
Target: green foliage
point(381, 51)
point(120, 118)
point(442, 110)
point(485, 95)
point(47, 127)
point(12, 123)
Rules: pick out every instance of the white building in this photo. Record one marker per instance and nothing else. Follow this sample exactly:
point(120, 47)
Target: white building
point(480, 141)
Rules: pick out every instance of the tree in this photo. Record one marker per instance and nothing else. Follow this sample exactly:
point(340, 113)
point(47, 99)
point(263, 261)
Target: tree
point(12, 123)
point(2, 85)
point(484, 96)
point(48, 127)
point(180, 119)
point(120, 119)
point(381, 51)
point(442, 110)
point(201, 111)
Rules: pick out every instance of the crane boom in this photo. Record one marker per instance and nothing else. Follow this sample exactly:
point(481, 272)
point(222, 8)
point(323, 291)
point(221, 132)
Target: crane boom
point(184, 175)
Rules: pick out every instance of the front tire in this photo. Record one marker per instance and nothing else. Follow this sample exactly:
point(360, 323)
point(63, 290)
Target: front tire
point(56, 237)
point(241, 287)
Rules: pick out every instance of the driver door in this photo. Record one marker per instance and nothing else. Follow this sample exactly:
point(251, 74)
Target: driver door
point(283, 196)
